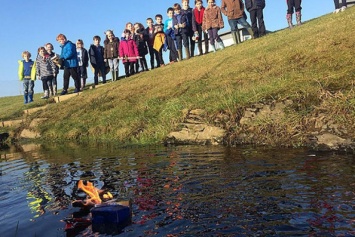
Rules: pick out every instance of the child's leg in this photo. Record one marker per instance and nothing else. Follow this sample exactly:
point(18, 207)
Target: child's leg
point(31, 91)
point(131, 68)
point(103, 73)
point(25, 90)
point(96, 75)
point(76, 78)
point(126, 68)
point(297, 5)
point(260, 16)
point(186, 43)
point(161, 56)
point(66, 77)
point(50, 86)
point(151, 54)
point(254, 23)
point(156, 55)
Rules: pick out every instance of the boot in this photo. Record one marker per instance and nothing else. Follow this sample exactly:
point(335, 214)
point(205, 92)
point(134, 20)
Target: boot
point(116, 75)
point(180, 54)
point(54, 90)
point(289, 20)
point(30, 98)
point(221, 44)
point(45, 95)
point(234, 36)
point(213, 48)
point(25, 99)
point(200, 48)
point(298, 18)
point(113, 74)
point(206, 47)
point(187, 53)
point(250, 31)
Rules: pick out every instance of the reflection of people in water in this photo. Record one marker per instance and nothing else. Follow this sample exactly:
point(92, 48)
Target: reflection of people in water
point(38, 196)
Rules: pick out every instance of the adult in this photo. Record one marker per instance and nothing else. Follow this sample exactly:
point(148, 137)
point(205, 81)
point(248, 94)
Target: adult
point(70, 63)
point(234, 10)
point(293, 5)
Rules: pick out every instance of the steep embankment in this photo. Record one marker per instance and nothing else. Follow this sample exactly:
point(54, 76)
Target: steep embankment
point(289, 88)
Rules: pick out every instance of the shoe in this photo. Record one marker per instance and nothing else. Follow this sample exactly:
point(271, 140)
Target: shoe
point(336, 11)
point(64, 92)
point(76, 90)
point(343, 8)
point(44, 97)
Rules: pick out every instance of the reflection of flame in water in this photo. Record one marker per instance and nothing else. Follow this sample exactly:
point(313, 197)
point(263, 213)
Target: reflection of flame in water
point(91, 191)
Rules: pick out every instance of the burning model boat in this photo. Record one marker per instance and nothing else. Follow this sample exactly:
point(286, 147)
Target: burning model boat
point(105, 214)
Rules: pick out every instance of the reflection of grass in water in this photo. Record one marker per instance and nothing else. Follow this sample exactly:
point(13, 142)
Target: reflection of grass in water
point(302, 64)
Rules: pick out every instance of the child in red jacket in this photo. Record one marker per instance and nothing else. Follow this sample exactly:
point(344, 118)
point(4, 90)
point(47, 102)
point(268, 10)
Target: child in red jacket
point(128, 52)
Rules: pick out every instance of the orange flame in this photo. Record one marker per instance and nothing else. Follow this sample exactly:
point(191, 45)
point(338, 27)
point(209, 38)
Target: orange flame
point(91, 191)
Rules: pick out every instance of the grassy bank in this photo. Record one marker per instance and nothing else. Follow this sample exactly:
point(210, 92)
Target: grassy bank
point(312, 65)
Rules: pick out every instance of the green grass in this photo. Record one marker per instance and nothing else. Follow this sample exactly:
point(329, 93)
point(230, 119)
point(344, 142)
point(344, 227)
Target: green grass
point(312, 65)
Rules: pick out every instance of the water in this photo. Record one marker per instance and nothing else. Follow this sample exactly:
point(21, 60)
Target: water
point(182, 191)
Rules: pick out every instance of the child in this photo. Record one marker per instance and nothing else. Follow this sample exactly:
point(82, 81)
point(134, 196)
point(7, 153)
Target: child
point(112, 44)
point(45, 70)
point(96, 54)
point(181, 31)
point(212, 22)
point(170, 36)
point(70, 63)
point(255, 9)
point(27, 74)
point(141, 41)
point(49, 47)
point(128, 52)
point(198, 16)
point(293, 4)
point(190, 26)
point(234, 10)
point(149, 31)
point(159, 39)
point(83, 62)
point(339, 7)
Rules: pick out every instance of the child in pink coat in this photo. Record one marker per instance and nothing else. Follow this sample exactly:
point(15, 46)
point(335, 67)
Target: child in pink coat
point(128, 52)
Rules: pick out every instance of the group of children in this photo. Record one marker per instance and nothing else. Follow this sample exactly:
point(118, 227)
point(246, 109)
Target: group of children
point(182, 30)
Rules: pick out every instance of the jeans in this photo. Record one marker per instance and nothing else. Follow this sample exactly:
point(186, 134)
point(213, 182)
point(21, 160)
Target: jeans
point(28, 86)
point(233, 23)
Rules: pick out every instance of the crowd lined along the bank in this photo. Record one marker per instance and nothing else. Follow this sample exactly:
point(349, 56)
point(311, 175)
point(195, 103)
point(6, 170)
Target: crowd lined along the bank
point(177, 36)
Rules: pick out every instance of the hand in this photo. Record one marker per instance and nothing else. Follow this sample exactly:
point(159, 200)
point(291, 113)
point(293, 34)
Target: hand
point(105, 60)
point(176, 26)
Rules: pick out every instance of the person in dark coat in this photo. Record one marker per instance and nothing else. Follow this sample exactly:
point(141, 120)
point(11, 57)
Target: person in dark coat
point(255, 9)
point(96, 55)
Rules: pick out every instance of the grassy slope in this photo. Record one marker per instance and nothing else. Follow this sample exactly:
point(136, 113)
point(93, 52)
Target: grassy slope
point(312, 65)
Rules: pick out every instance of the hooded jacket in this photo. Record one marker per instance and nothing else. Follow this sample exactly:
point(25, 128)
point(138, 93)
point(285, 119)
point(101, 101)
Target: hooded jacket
point(69, 54)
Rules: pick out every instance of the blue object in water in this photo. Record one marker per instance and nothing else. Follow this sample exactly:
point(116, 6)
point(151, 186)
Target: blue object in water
point(110, 218)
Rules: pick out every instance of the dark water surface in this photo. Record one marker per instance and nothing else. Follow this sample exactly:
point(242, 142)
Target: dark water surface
point(182, 191)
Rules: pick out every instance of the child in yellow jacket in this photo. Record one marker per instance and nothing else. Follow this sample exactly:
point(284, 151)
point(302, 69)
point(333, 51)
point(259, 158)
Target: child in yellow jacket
point(27, 74)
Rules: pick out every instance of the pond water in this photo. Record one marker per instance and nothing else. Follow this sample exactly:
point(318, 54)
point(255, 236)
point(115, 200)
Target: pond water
point(181, 191)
